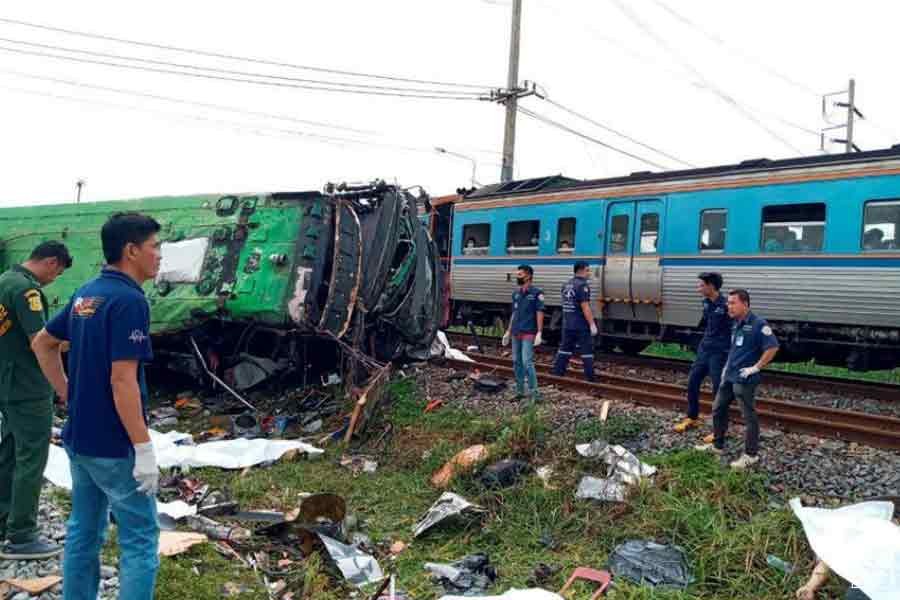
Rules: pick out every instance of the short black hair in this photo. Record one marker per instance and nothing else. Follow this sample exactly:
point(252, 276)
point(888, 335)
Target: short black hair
point(527, 269)
point(52, 249)
point(713, 279)
point(579, 266)
point(125, 228)
point(743, 294)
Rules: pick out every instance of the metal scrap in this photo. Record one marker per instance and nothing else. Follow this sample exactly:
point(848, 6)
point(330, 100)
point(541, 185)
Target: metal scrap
point(356, 566)
point(448, 507)
point(472, 575)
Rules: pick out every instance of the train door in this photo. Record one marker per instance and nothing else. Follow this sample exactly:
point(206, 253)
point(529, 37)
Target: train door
point(646, 272)
point(632, 275)
point(617, 272)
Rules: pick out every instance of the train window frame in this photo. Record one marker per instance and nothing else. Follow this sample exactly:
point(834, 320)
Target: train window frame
point(468, 233)
point(612, 231)
point(559, 233)
point(529, 250)
point(641, 236)
point(791, 225)
point(724, 230)
point(862, 236)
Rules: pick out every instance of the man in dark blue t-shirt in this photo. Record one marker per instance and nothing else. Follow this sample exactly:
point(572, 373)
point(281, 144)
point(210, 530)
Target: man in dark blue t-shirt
point(113, 465)
point(579, 327)
point(526, 324)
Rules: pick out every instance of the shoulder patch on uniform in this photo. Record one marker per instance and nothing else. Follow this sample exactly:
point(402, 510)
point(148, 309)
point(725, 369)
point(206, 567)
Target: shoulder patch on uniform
point(34, 300)
point(767, 330)
point(541, 297)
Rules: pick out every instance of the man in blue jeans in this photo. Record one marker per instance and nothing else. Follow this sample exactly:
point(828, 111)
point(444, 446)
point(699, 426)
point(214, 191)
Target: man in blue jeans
point(113, 465)
point(525, 327)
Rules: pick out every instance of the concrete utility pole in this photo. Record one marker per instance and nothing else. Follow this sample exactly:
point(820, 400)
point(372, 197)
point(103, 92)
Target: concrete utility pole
point(851, 93)
point(511, 98)
point(78, 185)
point(852, 113)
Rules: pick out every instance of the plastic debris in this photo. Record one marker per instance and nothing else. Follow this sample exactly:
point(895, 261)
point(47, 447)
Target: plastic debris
point(504, 473)
point(172, 543)
point(464, 459)
point(359, 464)
point(545, 474)
point(646, 562)
point(777, 563)
point(356, 566)
point(441, 346)
point(624, 469)
point(514, 594)
point(594, 488)
point(472, 575)
point(858, 542)
point(448, 507)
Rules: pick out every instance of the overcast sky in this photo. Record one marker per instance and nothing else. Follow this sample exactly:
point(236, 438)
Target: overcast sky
point(704, 82)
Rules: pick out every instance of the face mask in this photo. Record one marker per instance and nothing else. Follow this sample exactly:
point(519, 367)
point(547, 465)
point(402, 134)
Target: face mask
point(520, 280)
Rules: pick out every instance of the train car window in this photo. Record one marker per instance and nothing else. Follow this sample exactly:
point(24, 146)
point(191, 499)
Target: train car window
point(793, 228)
point(618, 237)
point(523, 237)
point(881, 225)
point(565, 236)
point(476, 239)
point(649, 233)
point(713, 228)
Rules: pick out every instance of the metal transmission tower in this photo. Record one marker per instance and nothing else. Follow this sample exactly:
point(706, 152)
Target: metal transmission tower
point(852, 113)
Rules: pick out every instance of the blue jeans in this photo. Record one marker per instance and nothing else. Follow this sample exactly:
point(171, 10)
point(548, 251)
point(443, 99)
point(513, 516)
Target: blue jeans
point(708, 362)
point(98, 486)
point(523, 364)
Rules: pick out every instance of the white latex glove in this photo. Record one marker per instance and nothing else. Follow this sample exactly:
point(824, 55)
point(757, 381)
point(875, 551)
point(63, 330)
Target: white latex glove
point(593, 329)
point(538, 340)
point(748, 371)
point(505, 340)
point(146, 472)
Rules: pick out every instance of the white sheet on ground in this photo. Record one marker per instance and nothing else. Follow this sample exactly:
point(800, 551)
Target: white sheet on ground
point(858, 542)
point(448, 350)
point(513, 594)
point(226, 454)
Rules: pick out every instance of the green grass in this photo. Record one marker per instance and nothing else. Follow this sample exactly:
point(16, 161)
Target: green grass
point(807, 368)
point(721, 518)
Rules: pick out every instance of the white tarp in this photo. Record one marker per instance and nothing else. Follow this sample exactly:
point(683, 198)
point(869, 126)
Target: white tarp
point(182, 262)
point(441, 346)
point(858, 542)
point(513, 594)
point(226, 454)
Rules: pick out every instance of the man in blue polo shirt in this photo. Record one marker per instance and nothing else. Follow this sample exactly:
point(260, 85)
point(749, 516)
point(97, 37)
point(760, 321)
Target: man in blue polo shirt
point(753, 346)
point(526, 325)
point(112, 461)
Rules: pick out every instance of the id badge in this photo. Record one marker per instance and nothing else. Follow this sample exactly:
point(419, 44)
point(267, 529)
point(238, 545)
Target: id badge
point(739, 341)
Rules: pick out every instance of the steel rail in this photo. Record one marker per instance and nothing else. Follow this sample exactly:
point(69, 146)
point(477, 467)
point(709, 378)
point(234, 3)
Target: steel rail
point(869, 429)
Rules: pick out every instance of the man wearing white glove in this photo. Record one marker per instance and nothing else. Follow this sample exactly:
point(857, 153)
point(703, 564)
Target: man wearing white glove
point(525, 330)
point(113, 465)
point(579, 327)
point(753, 346)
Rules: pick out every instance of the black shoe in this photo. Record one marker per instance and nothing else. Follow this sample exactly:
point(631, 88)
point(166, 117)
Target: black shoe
point(35, 550)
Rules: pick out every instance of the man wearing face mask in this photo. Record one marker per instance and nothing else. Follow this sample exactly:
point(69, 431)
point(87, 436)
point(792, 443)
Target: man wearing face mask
point(525, 327)
point(579, 327)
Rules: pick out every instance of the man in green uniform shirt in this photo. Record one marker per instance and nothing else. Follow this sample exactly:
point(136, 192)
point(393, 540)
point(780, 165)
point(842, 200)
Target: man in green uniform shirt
point(26, 401)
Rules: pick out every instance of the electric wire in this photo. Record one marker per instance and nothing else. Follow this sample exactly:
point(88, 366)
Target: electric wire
point(235, 57)
point(278, 84)
point(618, 133)
point(230, 71)
point(558, 125)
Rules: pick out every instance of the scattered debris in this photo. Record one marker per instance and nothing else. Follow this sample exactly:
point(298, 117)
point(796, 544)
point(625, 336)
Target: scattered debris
point(601, 578)
point(541, 575)
point(176, 542)
point(646, 562)
point(34, 586)
point(489, 385)
point(594, 488)
point(624, 469)
point(545, 474)
point(398, 547)
point(448, 507)
point(463, 460)
point(604, 411)
point(233, 589)
point(359, 464)
point(504, 473)
point(356, 566)
point(779, 564)
point(472, 575)
point(514, 594)
point(442, 347)
point(216, 530)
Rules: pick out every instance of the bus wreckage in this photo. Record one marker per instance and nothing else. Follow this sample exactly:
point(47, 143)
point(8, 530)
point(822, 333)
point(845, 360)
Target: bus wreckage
point(255, 286)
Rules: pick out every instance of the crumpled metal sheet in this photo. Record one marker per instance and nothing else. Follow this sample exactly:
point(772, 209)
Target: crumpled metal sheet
point(470, 576)
point(626, 467)
point(594, 488)
point(448, 506)
point(356, 566)
point(380, 238)
point(650, 563)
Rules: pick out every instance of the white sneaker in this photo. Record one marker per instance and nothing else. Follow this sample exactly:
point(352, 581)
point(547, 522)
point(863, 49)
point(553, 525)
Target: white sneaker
point(708, 448)
point(744, 461)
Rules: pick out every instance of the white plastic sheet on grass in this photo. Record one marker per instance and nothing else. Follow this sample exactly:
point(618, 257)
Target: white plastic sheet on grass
point(858, 542)
point(514, 594)
point(441, 346)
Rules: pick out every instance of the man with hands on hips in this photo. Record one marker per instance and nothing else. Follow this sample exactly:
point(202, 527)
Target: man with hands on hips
point(112, 461)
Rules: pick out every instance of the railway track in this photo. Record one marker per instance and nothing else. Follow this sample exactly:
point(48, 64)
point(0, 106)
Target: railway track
point(875, 390)
point(869, 429)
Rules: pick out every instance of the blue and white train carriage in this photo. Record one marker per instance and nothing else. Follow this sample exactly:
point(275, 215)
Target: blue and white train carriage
point(815, 240)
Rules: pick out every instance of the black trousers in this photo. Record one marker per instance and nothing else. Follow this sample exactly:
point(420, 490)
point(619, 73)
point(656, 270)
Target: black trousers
point(728, 390)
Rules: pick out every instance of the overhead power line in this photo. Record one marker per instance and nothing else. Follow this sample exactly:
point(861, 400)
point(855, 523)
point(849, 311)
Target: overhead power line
point(558, 125)
point(279, 84)
point(235, 57)
point(618, 133)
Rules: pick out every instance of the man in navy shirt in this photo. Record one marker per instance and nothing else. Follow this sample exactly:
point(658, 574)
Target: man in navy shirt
point(753, 346)
point(525, 327)
point(113, 465)
point(713, 350)
point(579, 327)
